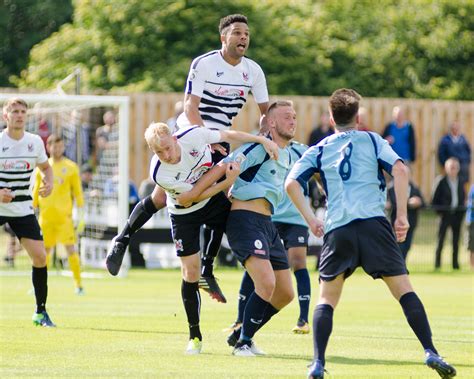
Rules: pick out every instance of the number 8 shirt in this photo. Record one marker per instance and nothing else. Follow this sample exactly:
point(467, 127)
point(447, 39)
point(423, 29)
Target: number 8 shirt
point(350, 165)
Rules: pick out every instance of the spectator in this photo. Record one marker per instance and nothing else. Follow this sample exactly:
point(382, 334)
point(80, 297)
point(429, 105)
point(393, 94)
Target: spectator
point(70, 134)
point(363, 124)
point(111, 191)
point(105, 135)
point(454, 144)
point(171, 122)
point(415, 202)
point(321, 131)
point(470, 222)
point(448, 201)
point(400, 135)
point(86, 176)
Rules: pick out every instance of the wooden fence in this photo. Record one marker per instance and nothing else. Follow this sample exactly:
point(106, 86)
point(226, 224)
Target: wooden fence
point(430, 118)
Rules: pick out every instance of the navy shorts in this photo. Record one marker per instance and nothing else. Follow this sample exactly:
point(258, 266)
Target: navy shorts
point(292, 235)
point(253, 234)
point(24, 227)
point(186, 228)
point(368, 243)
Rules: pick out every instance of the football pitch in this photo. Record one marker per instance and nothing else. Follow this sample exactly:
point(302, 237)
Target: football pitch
point(136, 327)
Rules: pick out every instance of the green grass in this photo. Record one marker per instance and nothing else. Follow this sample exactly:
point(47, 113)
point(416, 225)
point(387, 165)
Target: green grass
point(136, 327)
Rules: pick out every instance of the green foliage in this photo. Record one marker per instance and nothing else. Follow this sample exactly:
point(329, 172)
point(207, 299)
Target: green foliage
point(24, 23)
point(407, 48)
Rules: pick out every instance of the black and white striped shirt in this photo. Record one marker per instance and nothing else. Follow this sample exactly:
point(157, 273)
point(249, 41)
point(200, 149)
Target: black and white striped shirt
point(18, 159)
point(223, 88)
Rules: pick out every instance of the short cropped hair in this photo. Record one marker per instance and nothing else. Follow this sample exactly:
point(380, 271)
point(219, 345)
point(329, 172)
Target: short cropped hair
point(7, 106)
point(229, 20)
point(278, 104)
point(155, 132)
point(344, 105)
point(53, 138)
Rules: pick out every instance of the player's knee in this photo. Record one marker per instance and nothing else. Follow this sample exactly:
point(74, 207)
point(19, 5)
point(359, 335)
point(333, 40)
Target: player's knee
point(287, 296)
point(191, 273)
point(265, 289)
point(298, 263)
point(39, 257)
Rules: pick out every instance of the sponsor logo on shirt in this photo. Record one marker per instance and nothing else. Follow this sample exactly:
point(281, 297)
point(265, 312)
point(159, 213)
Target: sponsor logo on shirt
point(5, 148)
point(30, 147)
point(258, 244)
point(245, 76)
point(229, 92)
point(219, 74)
point(15, 166)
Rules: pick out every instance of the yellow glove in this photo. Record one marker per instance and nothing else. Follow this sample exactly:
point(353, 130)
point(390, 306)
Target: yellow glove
point(80, 223)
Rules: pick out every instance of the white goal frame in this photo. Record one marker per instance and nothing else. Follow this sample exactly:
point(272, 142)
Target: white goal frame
point(123, 104)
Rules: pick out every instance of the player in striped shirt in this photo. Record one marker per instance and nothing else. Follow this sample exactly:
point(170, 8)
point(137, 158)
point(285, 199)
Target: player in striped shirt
point(217, 87)
point(20, 153)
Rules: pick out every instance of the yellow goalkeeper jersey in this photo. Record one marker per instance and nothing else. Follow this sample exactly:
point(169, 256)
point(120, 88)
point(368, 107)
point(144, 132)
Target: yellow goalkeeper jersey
point(66, 189)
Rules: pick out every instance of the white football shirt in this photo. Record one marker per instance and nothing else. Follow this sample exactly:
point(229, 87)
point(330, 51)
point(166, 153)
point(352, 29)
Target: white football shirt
point(195, 161)
point(18, 159)
point(223, 88)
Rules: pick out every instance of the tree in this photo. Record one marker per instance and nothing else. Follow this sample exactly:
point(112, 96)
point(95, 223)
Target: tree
point(392, 48)
point(24, 23)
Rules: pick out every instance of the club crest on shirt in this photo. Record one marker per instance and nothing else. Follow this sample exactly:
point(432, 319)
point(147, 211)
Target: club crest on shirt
point(245, 76)
point(30, 147)
point(194, 153)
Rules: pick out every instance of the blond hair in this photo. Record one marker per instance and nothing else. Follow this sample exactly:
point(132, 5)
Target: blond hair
point(155, 132)
point(7, 106)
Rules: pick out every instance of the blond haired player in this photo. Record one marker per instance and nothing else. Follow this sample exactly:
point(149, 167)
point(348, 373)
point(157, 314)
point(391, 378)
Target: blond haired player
point(55, 216)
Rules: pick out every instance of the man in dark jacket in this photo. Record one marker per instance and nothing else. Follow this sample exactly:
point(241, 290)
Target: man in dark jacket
point(448, 201)
point(454, 144)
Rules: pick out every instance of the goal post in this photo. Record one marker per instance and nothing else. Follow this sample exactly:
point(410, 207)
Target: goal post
point(54, 105)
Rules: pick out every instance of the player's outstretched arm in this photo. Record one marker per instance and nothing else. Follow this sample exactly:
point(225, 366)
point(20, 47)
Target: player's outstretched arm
point(295, 192)
point(47, 180)
point(207, 187)
point(233, 136)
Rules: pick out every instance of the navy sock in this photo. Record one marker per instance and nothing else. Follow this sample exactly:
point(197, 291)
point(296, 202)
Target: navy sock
point(417, 319)
point(303, 285)
point(269, 313)
point(192, 306)
point(142, 212)
point(253, 316)
point(246, 289)
point(39, 278)
point(322, 328)
point(211, 245)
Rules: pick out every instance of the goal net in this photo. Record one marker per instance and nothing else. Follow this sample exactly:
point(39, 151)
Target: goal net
point(95, 132)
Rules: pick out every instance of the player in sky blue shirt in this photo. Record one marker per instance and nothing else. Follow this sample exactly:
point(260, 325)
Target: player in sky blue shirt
point(350, 165)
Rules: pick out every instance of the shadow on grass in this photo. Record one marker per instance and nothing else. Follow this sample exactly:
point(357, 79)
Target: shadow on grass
point(404, 338)
point(128, 331)
point(367, 362)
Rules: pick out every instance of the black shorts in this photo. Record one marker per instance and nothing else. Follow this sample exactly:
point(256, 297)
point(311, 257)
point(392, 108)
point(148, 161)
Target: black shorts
point(185, 228)
point(368, 243)
point(292, 235)
point(253, 234)
point(24, 227)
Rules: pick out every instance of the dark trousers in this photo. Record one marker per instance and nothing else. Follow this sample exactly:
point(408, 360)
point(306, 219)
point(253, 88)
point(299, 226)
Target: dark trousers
point(451, 220)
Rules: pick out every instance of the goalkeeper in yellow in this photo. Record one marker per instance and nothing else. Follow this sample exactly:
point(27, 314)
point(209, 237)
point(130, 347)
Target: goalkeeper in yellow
point(55, 211)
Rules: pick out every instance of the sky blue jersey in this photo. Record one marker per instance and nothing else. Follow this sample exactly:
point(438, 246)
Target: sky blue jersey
point(286, 211)
point(260, 176)
point(350, 165)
